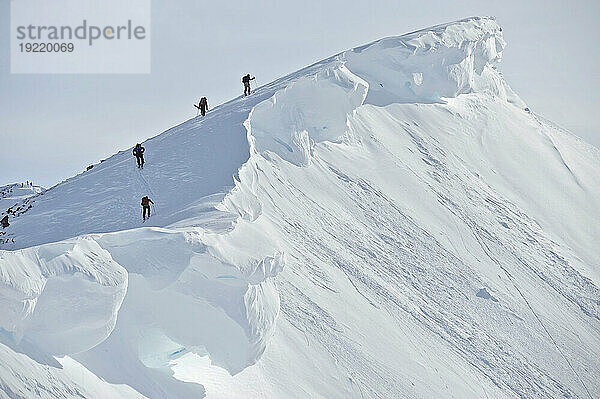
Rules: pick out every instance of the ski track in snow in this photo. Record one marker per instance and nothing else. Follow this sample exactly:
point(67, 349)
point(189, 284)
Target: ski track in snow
point(438, 241)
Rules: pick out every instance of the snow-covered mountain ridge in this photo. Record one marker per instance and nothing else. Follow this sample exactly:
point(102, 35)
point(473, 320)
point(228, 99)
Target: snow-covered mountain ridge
point(399, 226)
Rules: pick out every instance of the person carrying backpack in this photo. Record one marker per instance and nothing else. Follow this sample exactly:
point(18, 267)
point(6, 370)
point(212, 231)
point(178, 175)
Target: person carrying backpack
point(146, 206)
point(138, 151)
point(246, 81)
point(202, 106)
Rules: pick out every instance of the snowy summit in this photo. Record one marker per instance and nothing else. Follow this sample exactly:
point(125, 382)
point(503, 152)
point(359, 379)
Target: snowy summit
point(391, 222)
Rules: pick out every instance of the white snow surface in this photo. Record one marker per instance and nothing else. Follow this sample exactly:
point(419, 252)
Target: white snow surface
point(391, 222)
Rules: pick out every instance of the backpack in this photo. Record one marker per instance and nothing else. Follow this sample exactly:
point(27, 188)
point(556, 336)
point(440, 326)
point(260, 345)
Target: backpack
point(203, 101)
point(145, 201)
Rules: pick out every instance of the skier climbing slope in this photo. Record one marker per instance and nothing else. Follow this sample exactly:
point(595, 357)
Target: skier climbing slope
point(146, 206)
point(246, 81)
point(138, 152)
point(202, 106)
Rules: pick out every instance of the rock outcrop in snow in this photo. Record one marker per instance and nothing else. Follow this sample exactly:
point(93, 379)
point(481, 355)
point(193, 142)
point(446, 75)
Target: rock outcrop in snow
point(389, 222)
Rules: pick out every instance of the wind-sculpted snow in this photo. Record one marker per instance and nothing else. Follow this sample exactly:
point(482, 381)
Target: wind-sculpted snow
point(311, 109)
point(24, 377)
point(427, 66)
point(227, 286)
point(189, 291)
point(62, 297)
point(391, 222)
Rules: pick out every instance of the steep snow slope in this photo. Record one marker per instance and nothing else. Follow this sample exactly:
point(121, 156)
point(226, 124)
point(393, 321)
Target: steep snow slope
point(400, 227)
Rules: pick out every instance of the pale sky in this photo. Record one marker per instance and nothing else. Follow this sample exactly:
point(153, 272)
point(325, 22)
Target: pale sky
point(53, 126)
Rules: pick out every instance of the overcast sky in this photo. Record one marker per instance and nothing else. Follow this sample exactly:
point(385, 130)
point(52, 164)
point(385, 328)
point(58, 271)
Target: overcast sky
point(53, 126)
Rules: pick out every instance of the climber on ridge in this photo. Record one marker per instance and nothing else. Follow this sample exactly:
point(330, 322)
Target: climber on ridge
point(138, 151)
point(246, 81)
point(202, 106)
point(146, 206)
